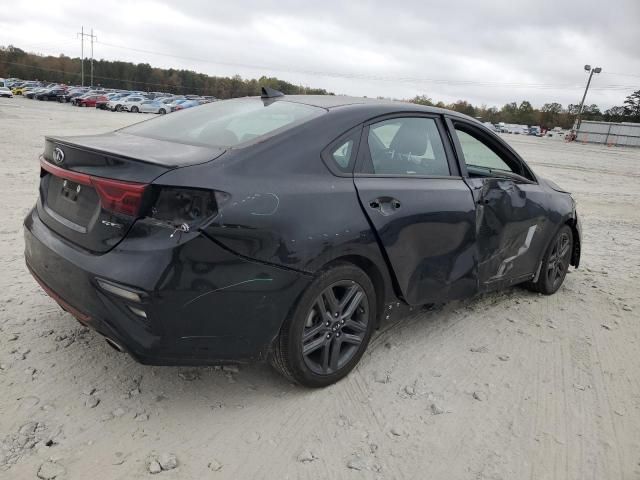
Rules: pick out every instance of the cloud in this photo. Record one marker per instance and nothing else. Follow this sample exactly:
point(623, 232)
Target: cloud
point(490, 52)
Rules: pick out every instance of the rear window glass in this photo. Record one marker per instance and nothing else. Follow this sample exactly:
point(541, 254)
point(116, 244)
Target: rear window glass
point(226, 123)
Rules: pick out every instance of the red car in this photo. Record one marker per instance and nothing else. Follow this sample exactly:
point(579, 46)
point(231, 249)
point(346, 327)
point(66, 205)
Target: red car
point(90, 101)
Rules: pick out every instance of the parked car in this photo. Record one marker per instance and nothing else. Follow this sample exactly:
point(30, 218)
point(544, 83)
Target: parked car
point(90, 100)
point(102, 101)
point(31, 92)
point(69, 95)
point(132, 103)
point(74, 101)
point(173, 103)
point(185, 104)
point(247, 229)
point(49, 94)
point(153, 106)
point(5, 92)
point(11, 82)
point(116, 104)
point(20, 88)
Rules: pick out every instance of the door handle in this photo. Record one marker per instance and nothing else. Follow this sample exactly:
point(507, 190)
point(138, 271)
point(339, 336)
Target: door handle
point(386, 205)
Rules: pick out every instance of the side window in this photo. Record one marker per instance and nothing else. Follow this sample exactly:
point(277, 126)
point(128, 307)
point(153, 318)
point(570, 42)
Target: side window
point(340, 155)
point(406, 146)
point(477, 155)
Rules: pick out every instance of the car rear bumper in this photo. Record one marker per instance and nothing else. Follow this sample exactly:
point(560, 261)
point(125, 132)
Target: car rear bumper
point(203, 304)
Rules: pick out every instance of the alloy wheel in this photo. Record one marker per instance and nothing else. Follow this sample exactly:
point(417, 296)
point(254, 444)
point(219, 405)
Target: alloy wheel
point(559, 260)
point(335, 327)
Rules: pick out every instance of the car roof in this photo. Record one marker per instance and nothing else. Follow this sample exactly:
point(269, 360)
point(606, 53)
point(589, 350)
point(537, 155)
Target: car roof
point(367, 106)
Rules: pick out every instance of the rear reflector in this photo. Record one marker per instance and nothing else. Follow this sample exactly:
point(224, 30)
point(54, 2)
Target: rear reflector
point(138, 311)
point(119, 291)
point(115, 195)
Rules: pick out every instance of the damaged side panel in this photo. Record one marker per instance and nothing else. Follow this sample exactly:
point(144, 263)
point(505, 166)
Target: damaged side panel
point(513, 228)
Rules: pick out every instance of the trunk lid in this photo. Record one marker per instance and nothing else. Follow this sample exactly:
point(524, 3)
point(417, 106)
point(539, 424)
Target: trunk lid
point(92, 188)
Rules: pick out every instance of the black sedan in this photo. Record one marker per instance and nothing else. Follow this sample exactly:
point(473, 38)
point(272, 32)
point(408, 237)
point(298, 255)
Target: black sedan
point(287, 227)
point(50, 94)
point(66, 97)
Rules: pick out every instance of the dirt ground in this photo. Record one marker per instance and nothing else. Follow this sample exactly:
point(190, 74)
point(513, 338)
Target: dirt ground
point(511, 385)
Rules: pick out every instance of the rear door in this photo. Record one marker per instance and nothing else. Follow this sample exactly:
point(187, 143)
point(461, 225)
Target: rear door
point(511, 222)
point(410, 188)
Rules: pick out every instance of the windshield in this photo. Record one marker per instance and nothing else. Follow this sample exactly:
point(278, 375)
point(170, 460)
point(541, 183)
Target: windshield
point(226, 123)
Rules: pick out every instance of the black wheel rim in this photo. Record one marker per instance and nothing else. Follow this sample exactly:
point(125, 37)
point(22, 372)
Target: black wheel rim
point(335, 327)
point(559, 260)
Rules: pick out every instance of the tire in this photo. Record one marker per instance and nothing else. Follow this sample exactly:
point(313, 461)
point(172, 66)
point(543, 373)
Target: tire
point(134, 109)
point(336, 340)
point(162, 111)
point(118, 108)
point(554, 267)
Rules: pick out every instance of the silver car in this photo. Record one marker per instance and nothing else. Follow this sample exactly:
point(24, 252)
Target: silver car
point(154, 106)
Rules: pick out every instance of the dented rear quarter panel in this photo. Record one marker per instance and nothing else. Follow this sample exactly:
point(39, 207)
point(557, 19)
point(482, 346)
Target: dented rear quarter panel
point(285, 207)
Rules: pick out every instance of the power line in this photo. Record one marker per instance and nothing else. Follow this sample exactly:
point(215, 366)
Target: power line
point(415, 81)
point(411, 80)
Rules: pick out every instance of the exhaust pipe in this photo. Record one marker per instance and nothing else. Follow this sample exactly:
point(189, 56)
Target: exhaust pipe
point(113, 344)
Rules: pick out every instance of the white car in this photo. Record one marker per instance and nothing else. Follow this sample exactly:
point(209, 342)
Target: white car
point(115, 104)
point(133, 103)
point(5, 92)
point(153, 106)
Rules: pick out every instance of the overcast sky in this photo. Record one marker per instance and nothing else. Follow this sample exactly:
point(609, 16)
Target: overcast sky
point(490, 51)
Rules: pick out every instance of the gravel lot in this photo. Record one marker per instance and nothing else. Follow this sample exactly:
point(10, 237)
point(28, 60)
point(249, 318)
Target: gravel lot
point(505, 386)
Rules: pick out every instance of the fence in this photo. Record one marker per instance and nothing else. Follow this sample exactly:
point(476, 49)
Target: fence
point(612, 134)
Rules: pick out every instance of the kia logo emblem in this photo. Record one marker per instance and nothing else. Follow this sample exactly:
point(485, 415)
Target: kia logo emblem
point(58, 156)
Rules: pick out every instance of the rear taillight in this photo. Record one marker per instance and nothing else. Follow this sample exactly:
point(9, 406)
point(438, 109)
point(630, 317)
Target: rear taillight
point(115, 196)
point(119, 197)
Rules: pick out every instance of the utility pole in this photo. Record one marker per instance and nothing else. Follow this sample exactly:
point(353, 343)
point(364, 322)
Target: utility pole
point(96, 39)
point(81, 34)
point(591, 71)
point(82, 52)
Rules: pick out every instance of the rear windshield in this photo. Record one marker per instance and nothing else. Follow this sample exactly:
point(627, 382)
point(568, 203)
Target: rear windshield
point(226, 123)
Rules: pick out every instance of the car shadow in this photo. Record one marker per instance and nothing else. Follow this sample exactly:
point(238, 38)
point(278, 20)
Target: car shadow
point(121, 380)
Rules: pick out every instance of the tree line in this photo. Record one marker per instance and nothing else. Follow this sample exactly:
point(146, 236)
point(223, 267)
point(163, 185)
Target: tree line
point(15, 62)
point(548, 116)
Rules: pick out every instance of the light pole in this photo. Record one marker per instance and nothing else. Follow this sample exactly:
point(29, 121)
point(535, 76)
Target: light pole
point(591, 71)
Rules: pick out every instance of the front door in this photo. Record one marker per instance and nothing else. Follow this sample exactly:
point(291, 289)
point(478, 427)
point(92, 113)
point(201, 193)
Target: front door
point(422, 210)
point(510, 218)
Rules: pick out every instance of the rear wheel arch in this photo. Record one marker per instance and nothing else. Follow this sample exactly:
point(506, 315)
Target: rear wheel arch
point(380, 286)
point(284, 354)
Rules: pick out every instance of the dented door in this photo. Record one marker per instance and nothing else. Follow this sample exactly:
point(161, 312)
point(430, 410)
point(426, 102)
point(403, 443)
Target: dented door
point(509, 230)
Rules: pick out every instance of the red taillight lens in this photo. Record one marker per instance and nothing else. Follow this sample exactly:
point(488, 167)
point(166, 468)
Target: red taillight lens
point(115, 196)
point(119, 197)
